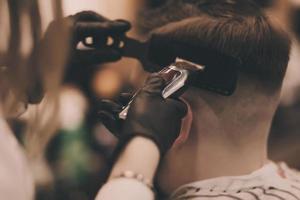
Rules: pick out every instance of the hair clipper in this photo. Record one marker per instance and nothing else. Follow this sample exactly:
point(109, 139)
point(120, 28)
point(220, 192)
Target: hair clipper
point(177, 75)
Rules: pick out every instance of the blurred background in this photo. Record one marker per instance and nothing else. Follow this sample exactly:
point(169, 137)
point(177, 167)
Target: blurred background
point(79, 149)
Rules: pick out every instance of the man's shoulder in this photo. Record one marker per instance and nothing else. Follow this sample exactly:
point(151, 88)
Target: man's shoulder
point(274, 181)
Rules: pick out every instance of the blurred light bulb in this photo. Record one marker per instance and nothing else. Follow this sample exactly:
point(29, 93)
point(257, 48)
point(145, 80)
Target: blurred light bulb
point(106, 83)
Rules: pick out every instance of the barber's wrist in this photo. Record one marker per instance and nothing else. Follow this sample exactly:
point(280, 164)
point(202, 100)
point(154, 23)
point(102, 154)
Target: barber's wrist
point(140, 155)
point(154, 139)
point(142, 141)
point(133, 130)
point(148, 147)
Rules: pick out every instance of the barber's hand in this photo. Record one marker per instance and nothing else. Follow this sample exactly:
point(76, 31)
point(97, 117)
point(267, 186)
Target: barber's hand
point(108, 113)
point(90, 24)
point(152, 116)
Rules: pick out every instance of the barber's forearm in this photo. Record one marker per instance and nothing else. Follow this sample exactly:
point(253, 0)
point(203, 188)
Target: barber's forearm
point(141, 155)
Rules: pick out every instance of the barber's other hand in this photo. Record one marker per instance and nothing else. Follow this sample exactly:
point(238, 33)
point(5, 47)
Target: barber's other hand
point(152, 116)
point(90, 24)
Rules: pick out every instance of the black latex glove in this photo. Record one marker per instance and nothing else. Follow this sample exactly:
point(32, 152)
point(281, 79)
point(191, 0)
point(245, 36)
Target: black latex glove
point(90, 24)
point(152, 116)
point(108, 113)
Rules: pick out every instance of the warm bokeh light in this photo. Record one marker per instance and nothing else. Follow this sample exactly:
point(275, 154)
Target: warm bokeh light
point(106, 83)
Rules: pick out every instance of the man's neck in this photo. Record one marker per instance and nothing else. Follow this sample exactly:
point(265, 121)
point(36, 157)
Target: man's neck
point(212, 154)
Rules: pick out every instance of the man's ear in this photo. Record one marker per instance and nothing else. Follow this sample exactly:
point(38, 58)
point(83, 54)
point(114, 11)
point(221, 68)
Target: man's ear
point(185, 125)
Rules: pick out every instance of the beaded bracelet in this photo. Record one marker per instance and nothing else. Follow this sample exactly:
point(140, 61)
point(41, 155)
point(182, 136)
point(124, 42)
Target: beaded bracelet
point(136, 176)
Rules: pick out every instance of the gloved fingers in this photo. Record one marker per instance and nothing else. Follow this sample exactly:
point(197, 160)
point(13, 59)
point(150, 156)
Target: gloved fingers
point(93, 16)
point(124, 98)
point(106, 117)
point(96, 56)
point(109, 106)
point(88, 16)
point(124, 22)
point(85, 29)
point(110, 122)
point(180, 107)
point(104, 34)
point(102, 41)
point(154, 84)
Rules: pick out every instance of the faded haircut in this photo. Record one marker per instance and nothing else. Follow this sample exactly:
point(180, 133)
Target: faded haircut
point(238, 28)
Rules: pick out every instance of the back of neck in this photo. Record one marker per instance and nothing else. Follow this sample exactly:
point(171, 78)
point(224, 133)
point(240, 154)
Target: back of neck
point(212, 152)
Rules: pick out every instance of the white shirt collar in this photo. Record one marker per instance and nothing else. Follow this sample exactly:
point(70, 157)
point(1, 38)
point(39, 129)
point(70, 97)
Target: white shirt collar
point(266, 175)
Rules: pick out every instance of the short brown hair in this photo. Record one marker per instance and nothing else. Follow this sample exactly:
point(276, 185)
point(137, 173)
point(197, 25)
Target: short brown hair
point(238, 28)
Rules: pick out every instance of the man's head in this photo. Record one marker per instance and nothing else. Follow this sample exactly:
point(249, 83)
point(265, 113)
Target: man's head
point(224, 129)
point(238, 28)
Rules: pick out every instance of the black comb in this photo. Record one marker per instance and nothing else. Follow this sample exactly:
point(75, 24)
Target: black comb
point(220, 74)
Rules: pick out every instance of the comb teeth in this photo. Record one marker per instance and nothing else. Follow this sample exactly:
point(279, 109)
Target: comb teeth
point(199, 67)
